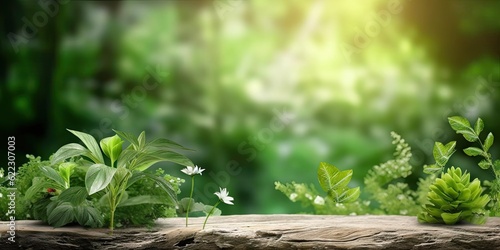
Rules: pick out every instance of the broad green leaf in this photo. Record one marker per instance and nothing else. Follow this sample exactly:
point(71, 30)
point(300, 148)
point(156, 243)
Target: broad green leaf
point(468, 135)
point(151, 156)
point(459, 123)
point(91, 144)
point(442, 153)
point(165, 144)
point(432, 169)
point(98, 177)
point(473, 151)
point(484, 164)
point(53, 175)
point(142, 199)
point(74, 195)
point(128, 137)
point(88, 216)
point(61, 215)
point(68, 151)
point(479, 126)
point(327, 176)
point(349, 195)
point(488, 142)
point(462, 126)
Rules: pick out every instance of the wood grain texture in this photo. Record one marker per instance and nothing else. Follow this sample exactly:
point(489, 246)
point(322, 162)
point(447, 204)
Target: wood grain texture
point(264, 232)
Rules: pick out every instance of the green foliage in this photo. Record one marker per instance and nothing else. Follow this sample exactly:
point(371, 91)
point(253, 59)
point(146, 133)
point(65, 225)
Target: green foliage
point(26, 175)
point(340, 198)
point(442, 154)
point(146, 213)
point(454, 198)
point(334, 182)
point(77, 186)
point(382, 183)
point(308, 196)
point(462, 126)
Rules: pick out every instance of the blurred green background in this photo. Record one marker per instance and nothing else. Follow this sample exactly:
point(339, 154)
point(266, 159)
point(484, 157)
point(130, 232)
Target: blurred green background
point(262, 90)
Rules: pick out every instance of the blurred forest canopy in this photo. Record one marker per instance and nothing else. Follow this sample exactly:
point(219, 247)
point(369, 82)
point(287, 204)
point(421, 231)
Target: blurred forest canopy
point(262, 90)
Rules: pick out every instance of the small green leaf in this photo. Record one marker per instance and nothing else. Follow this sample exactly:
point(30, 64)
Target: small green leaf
point(91, 143)
point(112, 147)
point(74, 195)
point(53, 175)
point(98, 177)
point(488, 142)
point(61, 215)
point(484, 164)
point(349, 195)
point(473, 151)
point(67, 151)
point(479, 126)
point(462, 126)
point(432, 169)
point(442, 153)
point(330, 178)
point(459, 123)
point(65, 171)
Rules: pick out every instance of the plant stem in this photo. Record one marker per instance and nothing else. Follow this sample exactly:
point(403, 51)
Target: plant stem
point(209, 213)
point(190, 198)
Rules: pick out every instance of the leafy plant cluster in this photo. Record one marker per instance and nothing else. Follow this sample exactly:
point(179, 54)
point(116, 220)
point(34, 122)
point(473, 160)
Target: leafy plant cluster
point(453, 198)
point(79, 186)
point(448, 199)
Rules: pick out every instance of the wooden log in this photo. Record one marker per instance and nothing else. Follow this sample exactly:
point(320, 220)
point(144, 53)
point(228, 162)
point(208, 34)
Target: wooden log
point(263, 232)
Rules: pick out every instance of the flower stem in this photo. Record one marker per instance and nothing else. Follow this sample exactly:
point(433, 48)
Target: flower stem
point(190, 198)
point(209, 213)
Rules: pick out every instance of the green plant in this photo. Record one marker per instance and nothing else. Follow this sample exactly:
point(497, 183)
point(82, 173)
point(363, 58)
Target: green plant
point(453, 198)
point(191, 172)
point(462, 126)
point(105, 186)
point(223, 196)
point(442, 153)
point(388, 194)
point(340, 198)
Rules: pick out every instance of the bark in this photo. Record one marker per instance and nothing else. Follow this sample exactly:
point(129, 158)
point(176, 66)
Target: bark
point(263, 232)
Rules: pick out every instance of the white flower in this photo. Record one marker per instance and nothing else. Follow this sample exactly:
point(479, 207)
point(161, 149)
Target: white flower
point(192, 171)
point(293, 196)
point(319, 200)
point(224, 196)
point(308, 196)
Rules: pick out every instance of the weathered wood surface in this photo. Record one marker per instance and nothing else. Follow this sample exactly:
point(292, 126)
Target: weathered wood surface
point(264, 232)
